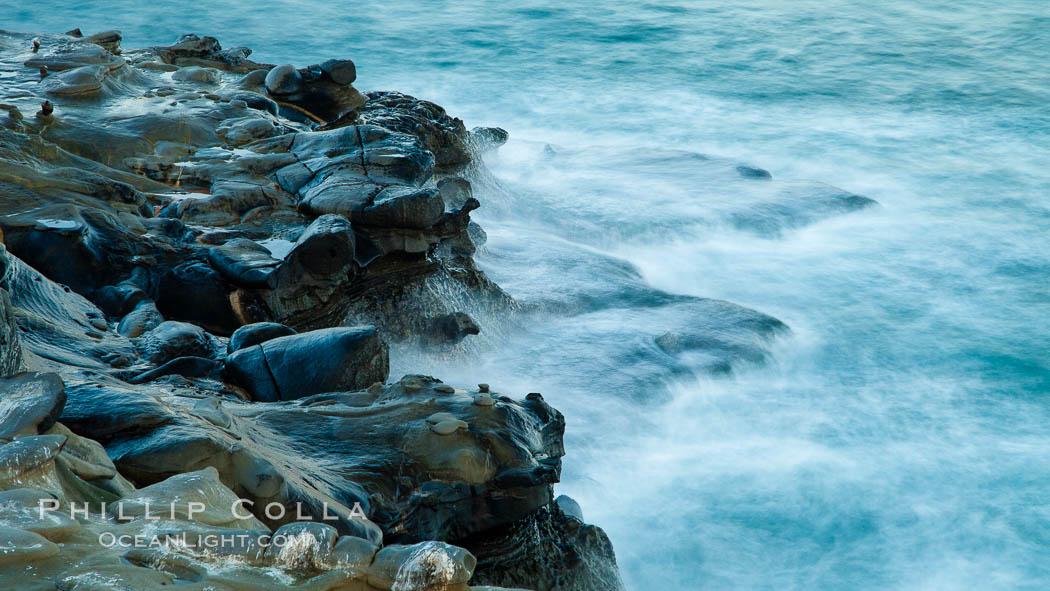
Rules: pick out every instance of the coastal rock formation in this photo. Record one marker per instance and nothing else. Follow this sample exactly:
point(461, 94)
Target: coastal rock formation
point(205, 262)
point(220, 202)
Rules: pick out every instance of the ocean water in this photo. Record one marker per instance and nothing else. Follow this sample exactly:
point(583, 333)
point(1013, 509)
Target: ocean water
point(898, 436)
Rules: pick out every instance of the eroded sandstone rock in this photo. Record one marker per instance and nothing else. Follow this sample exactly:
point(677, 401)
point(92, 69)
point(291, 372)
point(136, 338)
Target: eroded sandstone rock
point(30, 403)
point(326, 360)
point(242, 193)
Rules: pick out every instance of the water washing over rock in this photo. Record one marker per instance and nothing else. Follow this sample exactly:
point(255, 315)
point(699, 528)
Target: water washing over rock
point(207, 261)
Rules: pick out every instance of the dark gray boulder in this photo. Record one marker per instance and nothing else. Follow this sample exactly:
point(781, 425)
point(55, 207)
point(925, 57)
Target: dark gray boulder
point(197, 293)
point(244, 262)
point(326, 360)
point(403, 207)
point(340, 71)
point(324, 248)
point(119, 300)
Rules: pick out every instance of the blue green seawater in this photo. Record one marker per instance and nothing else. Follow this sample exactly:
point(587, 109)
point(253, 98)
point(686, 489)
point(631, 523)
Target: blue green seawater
point(898, 438)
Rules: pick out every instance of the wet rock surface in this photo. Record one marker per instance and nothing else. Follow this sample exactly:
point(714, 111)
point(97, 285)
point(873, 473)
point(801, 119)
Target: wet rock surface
point(325, 360)
point(205, 263)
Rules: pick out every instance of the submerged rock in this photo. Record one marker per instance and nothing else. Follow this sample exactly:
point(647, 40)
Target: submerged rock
point(751, 172)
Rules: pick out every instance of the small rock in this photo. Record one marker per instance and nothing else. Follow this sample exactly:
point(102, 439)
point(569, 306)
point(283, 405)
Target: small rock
point(483, 388)
point(284, 79)
point(108, 40)
point(255, 100)
point(84, 457)
point(306, 545)
point(234, 56)
point(428, 565)
point(326, 247)
point(569, 506)
point(751, 172)
point(444, 389)
point(192, 45)
point(353, 554)
point(197, 74)
point(449, 427)
point(253, 79)
point(119, 300)
point(489, 138)
point(143, 318)
point(482, 399)
point(441, 416)
point(340, 71)
point(452, 328)
point(668, 342)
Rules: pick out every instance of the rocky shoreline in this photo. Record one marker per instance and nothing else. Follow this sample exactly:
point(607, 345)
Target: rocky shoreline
point(206, 262)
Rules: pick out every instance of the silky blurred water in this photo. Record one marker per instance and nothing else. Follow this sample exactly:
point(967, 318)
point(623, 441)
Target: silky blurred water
point(899, 436)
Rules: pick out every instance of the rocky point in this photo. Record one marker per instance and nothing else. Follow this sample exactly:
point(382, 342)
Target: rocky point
point(205, 263)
